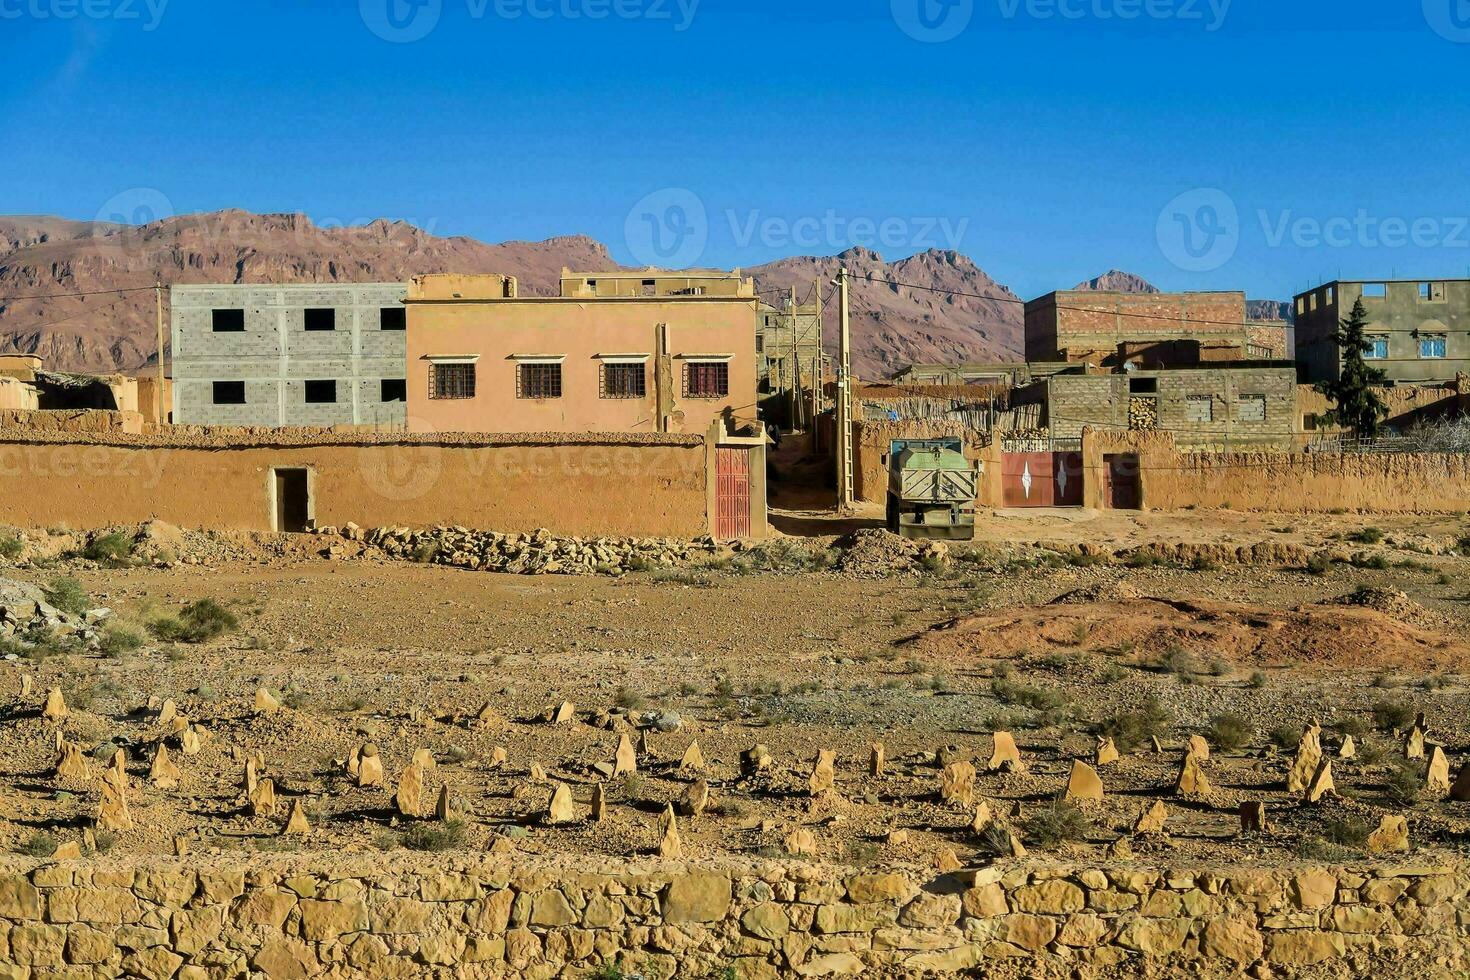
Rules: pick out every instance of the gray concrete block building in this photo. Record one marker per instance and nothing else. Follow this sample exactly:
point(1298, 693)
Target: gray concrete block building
point(278, 355)
point(1419, 330)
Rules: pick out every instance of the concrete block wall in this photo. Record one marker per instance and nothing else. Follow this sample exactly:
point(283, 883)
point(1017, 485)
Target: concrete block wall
point(275, 355)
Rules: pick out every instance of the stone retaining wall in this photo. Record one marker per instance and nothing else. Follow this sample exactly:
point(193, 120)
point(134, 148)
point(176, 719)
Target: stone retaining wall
point(289, 916)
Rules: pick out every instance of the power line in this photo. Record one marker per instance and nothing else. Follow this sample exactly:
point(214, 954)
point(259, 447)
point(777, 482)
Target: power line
point(95, 292)
point(1071, 309)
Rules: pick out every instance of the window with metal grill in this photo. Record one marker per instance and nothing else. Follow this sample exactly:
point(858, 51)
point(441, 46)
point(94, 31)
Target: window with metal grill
point(706, 379)
point(321, 319)
point(623, 381)
point(538, 381)
point(451, 381)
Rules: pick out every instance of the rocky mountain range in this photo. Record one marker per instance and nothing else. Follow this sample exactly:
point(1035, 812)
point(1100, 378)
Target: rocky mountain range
point(79, 293)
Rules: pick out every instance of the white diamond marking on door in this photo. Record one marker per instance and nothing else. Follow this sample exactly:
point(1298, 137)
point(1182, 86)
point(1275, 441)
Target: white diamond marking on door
point(1062, 483)
point(1026, 480)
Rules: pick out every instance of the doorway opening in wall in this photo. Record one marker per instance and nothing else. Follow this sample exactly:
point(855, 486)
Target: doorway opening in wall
point(1123, 482)
point(291, 497)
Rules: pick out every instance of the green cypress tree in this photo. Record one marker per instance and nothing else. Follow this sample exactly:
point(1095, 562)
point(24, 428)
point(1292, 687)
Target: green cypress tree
point(1358, 405)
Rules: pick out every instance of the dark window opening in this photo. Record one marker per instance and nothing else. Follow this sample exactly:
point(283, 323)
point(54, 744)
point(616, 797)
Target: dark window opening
point(321, 392)
point(451, 381)
point(229, 392)
point(393, 318)
point(395, 389)
point(321, 319)
point(538, 381)
point(1143, 386)
point(706, 379)
point(228, 321)
point(624, 381)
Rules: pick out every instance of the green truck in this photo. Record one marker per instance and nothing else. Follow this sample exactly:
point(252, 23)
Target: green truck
point(931, 489)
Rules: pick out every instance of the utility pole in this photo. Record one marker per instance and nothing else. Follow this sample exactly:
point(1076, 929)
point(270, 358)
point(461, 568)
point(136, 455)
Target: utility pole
point(158, 304)
point(844, 397)
point(817, 376)
point(795, 366)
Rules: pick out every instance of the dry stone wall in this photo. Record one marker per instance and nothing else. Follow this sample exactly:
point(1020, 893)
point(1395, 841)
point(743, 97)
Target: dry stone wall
point(292, 916)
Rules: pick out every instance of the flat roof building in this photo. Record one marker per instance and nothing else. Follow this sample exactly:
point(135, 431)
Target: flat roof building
point(284, 355)
point(613, 353)
point(1418, 329)
point(1108, 329)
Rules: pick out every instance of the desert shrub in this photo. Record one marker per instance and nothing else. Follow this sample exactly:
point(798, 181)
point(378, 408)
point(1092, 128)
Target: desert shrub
point(1285, 736)
point(435, 837)
point(1036, 698)
point(1203, 564)
point(1317, 849)
point(1259, 680)
point(1056, 823)
point(426, 552)
point(688, 577)
point(198, 622)
point(1404, 783)
point(626, 697)
point(1144, 559)
point(1177, 661)
point(1368, 535)
point(1319, 565)
point(1130, 729)
point(1111, 674)
point(1435, 682)
point(11, 547)
point(38, 845)
point(1352, 725)
point(1230, 733)
point(68, 595)
point(109, 549)
point(1391, 715)
point(117, 642)
point(1347, 831)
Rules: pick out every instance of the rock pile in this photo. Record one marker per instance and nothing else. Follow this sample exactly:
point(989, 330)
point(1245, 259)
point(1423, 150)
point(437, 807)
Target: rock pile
point(26, 617)
point(537, 553)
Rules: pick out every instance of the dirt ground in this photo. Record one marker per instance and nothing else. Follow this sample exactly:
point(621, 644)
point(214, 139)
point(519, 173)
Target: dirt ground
point(930, 658)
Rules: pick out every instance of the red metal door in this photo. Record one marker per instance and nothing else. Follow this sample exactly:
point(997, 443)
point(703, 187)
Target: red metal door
point(732, 493)
point(1067, 473)
point(1027, 479)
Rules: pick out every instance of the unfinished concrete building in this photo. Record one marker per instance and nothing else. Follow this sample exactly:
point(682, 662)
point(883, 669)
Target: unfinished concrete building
point(1418, 330)
point(1150, 330)
point(286, 355)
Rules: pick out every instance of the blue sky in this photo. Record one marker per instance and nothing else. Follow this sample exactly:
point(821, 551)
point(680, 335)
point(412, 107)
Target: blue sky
point(1256, 144)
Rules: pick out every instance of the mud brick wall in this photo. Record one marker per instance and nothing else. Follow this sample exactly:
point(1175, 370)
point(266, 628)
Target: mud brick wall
point(1092, 323)
point(296, 916)
point(641, 485)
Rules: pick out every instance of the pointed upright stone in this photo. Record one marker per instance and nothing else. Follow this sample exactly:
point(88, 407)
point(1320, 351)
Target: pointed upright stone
point(1460, 792)
point(263, 798)
point(424, 759)
point(1391, 837)
point(163, 774)
point(645, 749)
point(537, 775)
point(1005, 755)
point(1348, 749)
point(1322, 784)
point(695, 799)
point(983, 817)
point(564, 713)
point(1152, 820)
point(1199, 748)
point(755, 759)
point(265, 702)
point(498, 756)
point(443, 809)
point(1107, 751)
point(71, 764)
point(250, 779)
point(369, 767)
point(1253, 817)
point(409, 800)
point(168, 712)
point(1308, 760)
point(488, 717)
point(296, 824)
point(693, 758)
point(800, 843)
point(957, 783)
point(120, 767)
point(877, 758)
point(670, 847)
point(824, 773)
point(1437, 775)
point(189, 742)
point(1414, 744)
point(112, 814)
point(1192, 780)
point(562, 810)
point(625, 761)
point(599, 803)
point(55, 707)
point(1083, 783)
point(27, 685)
